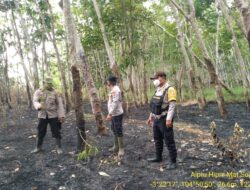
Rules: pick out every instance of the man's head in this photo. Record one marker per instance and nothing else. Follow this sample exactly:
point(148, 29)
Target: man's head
point(48, 83)
point(111, 81)
point(159, 78)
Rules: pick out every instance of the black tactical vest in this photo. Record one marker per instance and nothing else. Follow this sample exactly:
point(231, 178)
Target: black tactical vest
point(156, 103)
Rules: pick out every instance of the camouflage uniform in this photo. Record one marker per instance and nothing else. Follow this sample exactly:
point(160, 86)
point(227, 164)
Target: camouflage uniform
point(50, 111)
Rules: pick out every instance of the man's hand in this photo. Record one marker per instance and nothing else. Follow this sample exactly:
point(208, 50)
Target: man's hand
point(61, 119)
point(168, 123)
point(149, 122)
point(109, 117)
point(40, 107)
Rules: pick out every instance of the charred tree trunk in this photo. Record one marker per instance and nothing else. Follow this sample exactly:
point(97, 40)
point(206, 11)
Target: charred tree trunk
point(78, 104)
point(77, 53)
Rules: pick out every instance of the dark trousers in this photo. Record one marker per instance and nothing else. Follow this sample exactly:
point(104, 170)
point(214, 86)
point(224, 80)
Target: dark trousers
point(55, 127)
point(116, 125)
point(161, 132)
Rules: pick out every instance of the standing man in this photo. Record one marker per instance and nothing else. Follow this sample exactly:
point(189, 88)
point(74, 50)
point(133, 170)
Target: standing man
point(115, 115)
point(50, 111)
point(162, 107)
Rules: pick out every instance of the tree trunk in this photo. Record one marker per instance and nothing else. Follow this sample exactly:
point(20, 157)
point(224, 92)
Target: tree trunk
point(244, 8)
point(192, 76)
point(45, 64)
point(31, 46)
point(208, 61)
point(59, 61)
point(20, 52)
point(78, 104)
point(145, 87)
point(112, 63)
point(144, 70)
point(77, 53)
point(238, 55)
point(178, 82)
point(7, 84)
point(131, 86)
point(69, 73)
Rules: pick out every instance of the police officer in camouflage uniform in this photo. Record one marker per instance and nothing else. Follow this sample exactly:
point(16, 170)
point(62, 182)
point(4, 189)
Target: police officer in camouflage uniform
point(162, 108)
point(50, 111)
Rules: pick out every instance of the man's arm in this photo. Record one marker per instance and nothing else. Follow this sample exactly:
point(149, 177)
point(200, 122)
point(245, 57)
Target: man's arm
point(171, 110)
point(171, 98)
point(116, 96)
point(36, 102)
point(60, 109)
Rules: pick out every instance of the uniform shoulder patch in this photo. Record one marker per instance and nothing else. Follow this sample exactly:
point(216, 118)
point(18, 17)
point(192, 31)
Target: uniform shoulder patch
point(172, 95)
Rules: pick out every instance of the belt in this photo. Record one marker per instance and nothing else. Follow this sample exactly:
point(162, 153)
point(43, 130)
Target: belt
point(158, 117)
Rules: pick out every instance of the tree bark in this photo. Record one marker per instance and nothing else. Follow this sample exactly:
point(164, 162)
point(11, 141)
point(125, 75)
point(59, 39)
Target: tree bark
point(178, 82)
point(244, 8)
point(145, 87)
point(77, 53)
point(131, 86)
point(78, 104)
point(7, 83)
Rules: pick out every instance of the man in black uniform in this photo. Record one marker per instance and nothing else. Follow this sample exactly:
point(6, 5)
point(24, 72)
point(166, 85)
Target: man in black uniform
point(162, 108)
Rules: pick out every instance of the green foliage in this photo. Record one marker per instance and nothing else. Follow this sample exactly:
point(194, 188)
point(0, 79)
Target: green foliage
point(211, 96)
point(43, 5)
point(209, 19)
point(6, 5)
point(201, 6)
point(88, 152)
point(238, 91)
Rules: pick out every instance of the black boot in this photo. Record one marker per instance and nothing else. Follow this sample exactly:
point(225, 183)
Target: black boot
point(172, 166)
point(38, 146)
point(58, 146)
point(115, 147)
point(155, 159)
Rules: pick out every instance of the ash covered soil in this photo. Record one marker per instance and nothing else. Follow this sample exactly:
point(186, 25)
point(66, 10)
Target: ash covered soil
point(21, 170)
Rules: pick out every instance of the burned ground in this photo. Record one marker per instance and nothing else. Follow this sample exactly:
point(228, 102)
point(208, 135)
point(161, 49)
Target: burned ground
point(21, 170)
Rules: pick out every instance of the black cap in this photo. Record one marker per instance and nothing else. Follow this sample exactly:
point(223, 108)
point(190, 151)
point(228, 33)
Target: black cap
point(158, 74)
point(112, 79)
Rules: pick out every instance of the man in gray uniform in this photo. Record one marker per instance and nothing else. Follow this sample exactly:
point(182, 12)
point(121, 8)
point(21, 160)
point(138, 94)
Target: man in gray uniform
point(115, 115)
